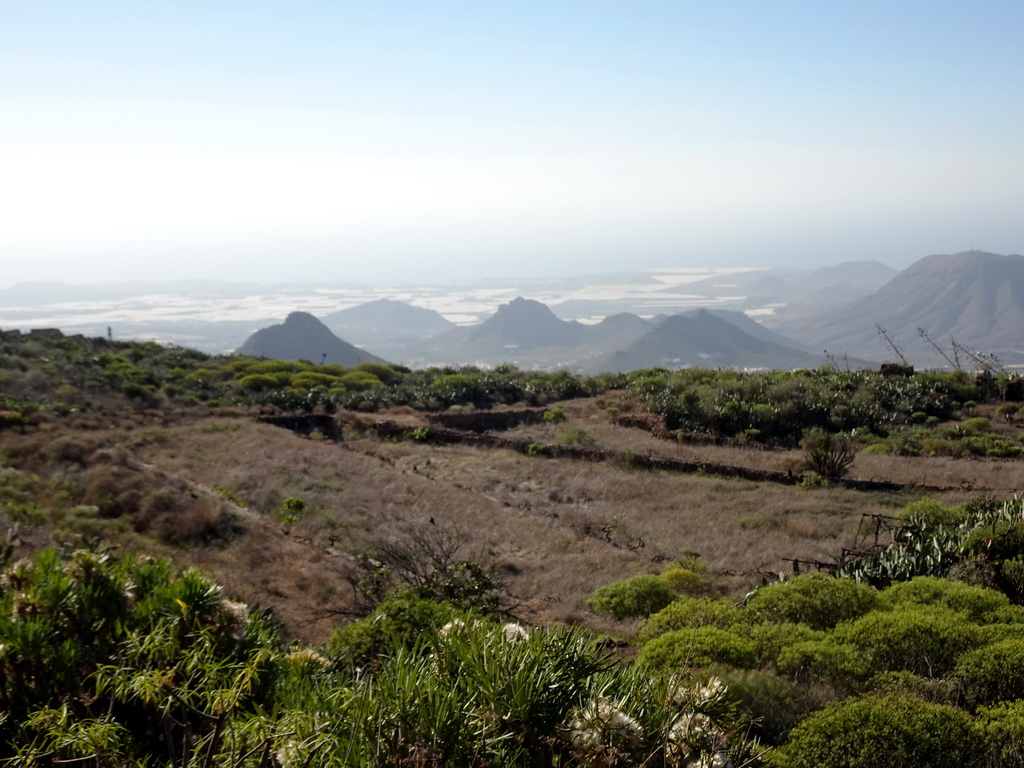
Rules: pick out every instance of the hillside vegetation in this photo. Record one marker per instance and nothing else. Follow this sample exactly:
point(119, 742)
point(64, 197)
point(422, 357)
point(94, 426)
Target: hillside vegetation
point(184, 582)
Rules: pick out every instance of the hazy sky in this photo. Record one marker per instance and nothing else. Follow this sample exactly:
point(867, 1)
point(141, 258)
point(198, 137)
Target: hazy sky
point(381, 140)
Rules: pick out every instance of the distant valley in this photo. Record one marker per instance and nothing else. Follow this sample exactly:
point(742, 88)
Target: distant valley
point(970, 307)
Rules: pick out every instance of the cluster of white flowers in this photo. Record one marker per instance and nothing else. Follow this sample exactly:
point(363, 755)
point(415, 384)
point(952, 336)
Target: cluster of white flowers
point(510, 631)
point(711, 692)
point(600, 731)
point(514, 632)
point(16, 577)
point(449, 629)
point(717, 759)
point(236, 616)
point(694, 741)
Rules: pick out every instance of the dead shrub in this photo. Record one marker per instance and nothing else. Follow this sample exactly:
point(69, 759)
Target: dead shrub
point(264, 500)
point(115, 456)
point(115, 490)
point(71, 449)
point(196, 521)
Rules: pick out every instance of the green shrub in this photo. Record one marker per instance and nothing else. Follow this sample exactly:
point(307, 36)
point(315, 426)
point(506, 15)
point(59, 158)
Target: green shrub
point(925, 640)
point(402, 619)
point(818, 600)
point(680, 579)
point(358, 381)
point(701, 647)
point(771, 638)
point(884, 732)
point(827, 659)
point(932, 512)
point(774, 704)
point(909, 684)
point(312, 380)
point(554, 415)
point(575, 436)
point(992, 673)
point(976, 426)
point(979, 604)
point(639, 596)
point(1003, 729)
point(995, 633)
point(384, 373)
point(828, 455)
point(690, 613)
point(259, 382)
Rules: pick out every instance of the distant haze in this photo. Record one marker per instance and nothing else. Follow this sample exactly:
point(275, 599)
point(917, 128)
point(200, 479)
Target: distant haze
point(453, 141)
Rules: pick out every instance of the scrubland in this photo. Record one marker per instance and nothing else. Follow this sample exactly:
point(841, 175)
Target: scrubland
point(355, 552)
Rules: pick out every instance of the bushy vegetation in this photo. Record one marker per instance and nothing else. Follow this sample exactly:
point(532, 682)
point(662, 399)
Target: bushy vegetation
point(126, 662)
point(639, 596)
point(781, 408)
point(981, 542)
point(881, 671)
point(884, 732)
point(59, 374)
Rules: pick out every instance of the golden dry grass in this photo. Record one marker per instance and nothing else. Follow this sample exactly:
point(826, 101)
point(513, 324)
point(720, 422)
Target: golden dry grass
point(554, 530)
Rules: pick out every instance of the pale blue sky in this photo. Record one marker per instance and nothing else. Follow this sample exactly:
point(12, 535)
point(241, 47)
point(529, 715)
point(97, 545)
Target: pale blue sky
point(382, 140)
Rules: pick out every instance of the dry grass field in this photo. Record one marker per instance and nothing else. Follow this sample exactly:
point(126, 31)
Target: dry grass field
point(553, 530)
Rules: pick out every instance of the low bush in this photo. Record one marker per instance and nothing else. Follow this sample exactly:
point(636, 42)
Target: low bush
point(925, 640)
point(639, 596)
point(830, 456)
point(774, 704)
point(979, 604)
point(575, 436)
point(937, 691)
point(690, 613)
point(1003, 732)
point(400, 620)
point(932, 512)
point(884, 732)
point(992, 673)
point(817, 600)
point(771, 638)
point(827, 659)
point(683, 649)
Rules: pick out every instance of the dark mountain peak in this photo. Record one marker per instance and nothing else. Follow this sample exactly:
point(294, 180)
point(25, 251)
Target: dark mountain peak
point(520, 307)
point(303, 321)
point(701, 337)
point(385, 322)
point(623, 320)
point(389, 312)
point(529, 323)
point(965, 261)
point(302, 337)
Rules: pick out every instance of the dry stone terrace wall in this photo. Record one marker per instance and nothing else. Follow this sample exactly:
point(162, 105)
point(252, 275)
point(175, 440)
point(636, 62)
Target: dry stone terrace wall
point(487, 421)
point(390, 430)
point(307, 425)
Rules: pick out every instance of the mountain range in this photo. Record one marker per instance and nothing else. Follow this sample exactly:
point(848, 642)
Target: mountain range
point(527, 333)
point(973, 298)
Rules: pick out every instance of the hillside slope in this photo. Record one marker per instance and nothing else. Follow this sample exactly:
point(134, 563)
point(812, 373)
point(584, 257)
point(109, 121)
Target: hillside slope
point(975, 297)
